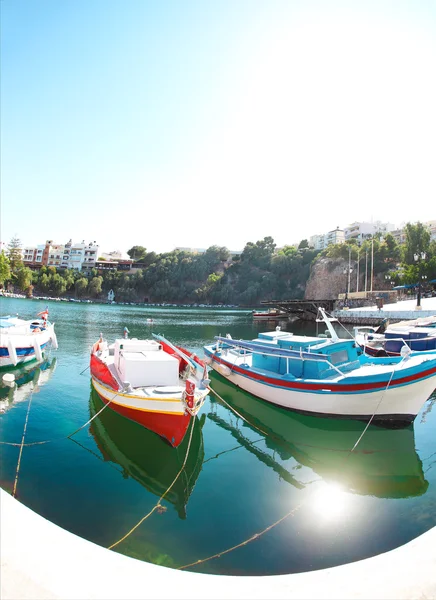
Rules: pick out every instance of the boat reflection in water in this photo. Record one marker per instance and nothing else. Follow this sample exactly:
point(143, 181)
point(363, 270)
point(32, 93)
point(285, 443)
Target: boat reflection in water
point(384, 464)
point(148, 458)
point(28, 379)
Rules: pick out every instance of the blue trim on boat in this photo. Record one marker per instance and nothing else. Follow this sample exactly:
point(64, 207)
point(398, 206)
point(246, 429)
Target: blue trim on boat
point(28, 351)
point(322, 386)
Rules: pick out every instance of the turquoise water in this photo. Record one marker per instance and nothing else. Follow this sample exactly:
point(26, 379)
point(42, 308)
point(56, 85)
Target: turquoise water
point(287, 477)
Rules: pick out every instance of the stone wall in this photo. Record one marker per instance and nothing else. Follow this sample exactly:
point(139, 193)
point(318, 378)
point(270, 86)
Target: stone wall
point(327, 279)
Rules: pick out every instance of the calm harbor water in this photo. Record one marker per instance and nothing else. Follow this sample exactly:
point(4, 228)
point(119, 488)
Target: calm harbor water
point(290, 478)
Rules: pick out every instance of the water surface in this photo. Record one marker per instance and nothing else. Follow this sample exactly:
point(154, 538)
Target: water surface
point(260, 470)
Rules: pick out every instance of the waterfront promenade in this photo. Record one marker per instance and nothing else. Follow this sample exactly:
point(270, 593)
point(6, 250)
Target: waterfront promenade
point(41, 561)
point(397, 311)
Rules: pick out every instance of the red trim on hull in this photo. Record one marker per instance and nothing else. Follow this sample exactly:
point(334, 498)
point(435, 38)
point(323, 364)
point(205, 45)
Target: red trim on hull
point(100, 371)
point(171, 428)
point(182, 362)
point(346, 388)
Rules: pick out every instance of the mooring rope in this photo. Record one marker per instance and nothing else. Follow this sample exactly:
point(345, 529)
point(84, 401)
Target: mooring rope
point(158, 505)
point(21, 446)
point(253, 443)
point(244, 543)
point(97, 456)
point(61, 438)
point(378, 405)
point(236, 412)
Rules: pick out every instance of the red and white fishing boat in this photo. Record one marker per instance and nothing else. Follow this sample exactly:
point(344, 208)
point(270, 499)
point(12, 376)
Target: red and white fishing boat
point(153, 382)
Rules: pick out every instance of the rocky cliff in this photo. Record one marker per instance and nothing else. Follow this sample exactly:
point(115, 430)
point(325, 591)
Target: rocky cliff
point(327, 279)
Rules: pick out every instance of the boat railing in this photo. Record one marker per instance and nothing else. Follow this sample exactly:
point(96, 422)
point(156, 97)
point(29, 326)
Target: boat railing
point(286, 354)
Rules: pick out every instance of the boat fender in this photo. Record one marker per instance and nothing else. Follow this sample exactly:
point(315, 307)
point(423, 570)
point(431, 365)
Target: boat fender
point(9, 379)
point(102, 346)
point(54, 340)
point(405, 351)
point(37, 348)
point(12, 352)
point(224, 370)
point(189, 393)
point(127, 387)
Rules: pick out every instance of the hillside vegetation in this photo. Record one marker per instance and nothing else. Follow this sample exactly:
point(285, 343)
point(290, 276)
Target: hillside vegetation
point(261, 272)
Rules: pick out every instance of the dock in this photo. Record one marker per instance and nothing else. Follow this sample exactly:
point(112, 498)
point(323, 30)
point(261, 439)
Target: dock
point(306, 310)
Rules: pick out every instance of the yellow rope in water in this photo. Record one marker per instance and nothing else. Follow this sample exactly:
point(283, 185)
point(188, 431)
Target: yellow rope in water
point(21, 447)
point(251, 539)
point(235, 411)
point(158, 504)
point(65, 437)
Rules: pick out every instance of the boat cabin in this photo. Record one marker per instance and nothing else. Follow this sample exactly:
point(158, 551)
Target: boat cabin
point(144, 363)
point(306, 357)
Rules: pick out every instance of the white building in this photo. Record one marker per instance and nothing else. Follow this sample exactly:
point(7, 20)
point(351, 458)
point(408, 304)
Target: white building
point(55, 255)
point(317, 242)
point(33, 254)
point(81, 257)
point(321, 241)
point(361, 231)
point(336, 236)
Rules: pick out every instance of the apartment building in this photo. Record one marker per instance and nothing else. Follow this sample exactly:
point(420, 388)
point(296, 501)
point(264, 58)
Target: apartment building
point(321, 241)
point(32, 255)
point(361, 231)
point(82, 256)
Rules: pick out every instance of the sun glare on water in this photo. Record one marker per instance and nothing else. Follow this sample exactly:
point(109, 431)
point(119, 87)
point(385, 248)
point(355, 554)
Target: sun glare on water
point(329, 503)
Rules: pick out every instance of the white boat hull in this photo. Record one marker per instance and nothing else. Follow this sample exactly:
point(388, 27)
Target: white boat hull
point(399, 403)
point(17, 348)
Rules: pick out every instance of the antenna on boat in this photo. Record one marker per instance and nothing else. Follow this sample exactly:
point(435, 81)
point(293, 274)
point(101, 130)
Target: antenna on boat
point(328, 321)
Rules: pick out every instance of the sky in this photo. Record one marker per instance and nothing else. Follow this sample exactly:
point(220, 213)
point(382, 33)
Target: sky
point(198, 123)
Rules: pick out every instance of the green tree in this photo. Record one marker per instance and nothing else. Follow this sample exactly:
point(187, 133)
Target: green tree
point(44, 282)
point(81, 286)
point(15, 254)
point(24, 278)
point(95, 286)
point(58, 284)
point(417, 241)
point(5, 269)
point(137, 253)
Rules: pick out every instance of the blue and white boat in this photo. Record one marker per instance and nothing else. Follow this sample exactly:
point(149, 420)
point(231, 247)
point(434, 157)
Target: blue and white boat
point(24, 340)
point(415, 334)
point(326, 376)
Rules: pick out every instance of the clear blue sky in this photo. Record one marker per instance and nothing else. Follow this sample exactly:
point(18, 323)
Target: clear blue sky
point(192, 123)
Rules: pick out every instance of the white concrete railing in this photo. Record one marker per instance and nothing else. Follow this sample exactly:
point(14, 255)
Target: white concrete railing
point(384, 314)
point(40, 561)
